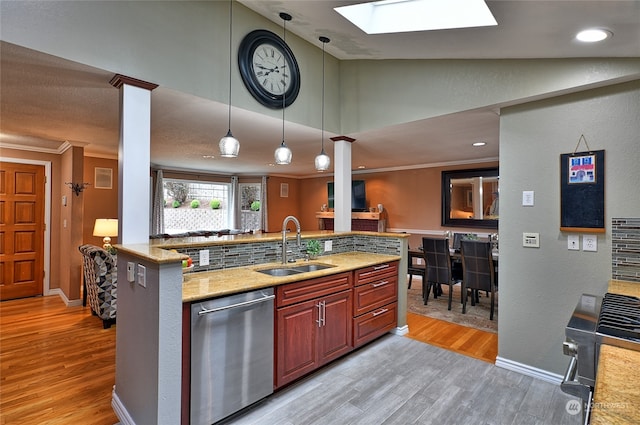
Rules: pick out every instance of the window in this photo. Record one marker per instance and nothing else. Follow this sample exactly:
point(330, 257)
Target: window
point(196, 205)
point(250, 206)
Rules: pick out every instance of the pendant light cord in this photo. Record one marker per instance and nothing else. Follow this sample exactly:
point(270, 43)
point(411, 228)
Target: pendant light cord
point(322, 112)
point(230, 54)
point(284, 93)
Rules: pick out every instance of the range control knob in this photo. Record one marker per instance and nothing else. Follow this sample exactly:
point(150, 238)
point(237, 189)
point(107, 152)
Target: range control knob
point(569, 348)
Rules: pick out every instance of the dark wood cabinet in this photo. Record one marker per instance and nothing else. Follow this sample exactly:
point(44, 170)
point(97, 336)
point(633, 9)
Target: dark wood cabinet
point(313, 325)
point(319, 320)
point(375, 302)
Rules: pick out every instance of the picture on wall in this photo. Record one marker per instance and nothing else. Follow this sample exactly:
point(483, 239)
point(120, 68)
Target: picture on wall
point(582, 191)
point(582, 169)
point(103, 178)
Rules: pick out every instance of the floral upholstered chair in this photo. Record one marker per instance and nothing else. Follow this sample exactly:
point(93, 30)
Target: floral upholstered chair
point(101, 282)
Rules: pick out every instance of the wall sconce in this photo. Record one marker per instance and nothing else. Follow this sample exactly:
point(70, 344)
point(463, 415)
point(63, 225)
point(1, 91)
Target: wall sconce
point(77, 187)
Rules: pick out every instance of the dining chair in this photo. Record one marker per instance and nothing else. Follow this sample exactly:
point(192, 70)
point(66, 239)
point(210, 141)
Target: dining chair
point(478, 272)
point(438, 262)
point(414, 269)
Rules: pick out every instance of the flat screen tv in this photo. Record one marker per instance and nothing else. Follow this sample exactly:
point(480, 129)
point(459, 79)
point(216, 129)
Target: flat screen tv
point(358, 195)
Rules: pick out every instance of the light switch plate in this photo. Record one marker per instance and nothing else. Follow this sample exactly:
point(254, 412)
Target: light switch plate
point(531, 240)
point(142, 275)
point(328, 246)
point(589, 243)
point(204, 257)
point(573, 242)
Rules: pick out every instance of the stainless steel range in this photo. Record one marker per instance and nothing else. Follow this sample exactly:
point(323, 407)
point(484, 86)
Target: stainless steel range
point(613, 319)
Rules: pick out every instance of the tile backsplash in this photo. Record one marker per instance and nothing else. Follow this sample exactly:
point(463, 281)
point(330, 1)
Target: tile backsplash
point(625, 249)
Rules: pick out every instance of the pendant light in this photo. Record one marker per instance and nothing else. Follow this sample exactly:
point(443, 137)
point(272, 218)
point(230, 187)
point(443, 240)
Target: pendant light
point(283, 153)
point(229, 145)
point(322, 160)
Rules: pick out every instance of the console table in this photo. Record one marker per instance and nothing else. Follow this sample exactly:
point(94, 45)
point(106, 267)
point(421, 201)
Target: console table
point(364, 221)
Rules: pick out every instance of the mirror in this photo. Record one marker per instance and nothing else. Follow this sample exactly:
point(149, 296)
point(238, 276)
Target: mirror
point(470, 198)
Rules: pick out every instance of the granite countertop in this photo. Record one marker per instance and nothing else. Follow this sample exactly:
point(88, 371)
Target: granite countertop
point(616, 398)
point(616, 395)
point(208, 284)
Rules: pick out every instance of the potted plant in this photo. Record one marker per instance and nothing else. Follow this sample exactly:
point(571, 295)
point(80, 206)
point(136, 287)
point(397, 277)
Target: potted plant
point(313, 248)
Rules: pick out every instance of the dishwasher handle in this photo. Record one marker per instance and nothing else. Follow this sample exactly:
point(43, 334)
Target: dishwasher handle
point(242, 304)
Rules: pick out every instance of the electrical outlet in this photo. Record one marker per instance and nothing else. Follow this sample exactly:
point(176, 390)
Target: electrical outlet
point(573, 242)
point(589, 243)
point(204, 257)
point(328, 246)
point(531, 240)
point(142, 275)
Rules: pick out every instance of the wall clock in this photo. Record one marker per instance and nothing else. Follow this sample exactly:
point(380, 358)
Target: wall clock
point(268, 69)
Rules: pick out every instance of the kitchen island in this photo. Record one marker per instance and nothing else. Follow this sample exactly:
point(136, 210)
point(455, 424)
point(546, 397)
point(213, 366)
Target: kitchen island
point(151, 295)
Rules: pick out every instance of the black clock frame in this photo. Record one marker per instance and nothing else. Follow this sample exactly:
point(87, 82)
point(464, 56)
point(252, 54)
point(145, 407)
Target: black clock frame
point(245, 62)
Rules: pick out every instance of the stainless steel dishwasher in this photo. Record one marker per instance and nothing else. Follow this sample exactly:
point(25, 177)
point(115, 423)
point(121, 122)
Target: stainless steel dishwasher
point(231, 354)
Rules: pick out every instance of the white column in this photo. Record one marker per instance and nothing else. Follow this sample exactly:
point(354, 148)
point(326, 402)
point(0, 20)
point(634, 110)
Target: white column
point(134, 159)
point(342, 185)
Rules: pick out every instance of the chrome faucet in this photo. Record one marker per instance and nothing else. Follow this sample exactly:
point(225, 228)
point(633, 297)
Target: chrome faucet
point(284, 237)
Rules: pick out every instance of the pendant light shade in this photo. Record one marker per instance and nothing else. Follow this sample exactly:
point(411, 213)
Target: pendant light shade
point(229, 145)
point(322, 160)
point(283, 154)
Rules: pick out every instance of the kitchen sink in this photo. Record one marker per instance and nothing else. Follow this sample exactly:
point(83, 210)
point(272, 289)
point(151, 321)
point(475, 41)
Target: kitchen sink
point(312, 267)
point(287, 271)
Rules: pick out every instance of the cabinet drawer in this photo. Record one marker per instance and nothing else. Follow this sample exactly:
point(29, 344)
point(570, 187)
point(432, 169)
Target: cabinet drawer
point(368, 274)
point(375, 294)
point(305, 290)
point(371, 325)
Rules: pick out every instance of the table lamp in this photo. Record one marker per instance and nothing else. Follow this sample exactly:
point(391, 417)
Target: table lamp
point(106, 227)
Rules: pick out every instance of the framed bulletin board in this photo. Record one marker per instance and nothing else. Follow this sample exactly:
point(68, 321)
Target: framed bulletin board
point(582, 192)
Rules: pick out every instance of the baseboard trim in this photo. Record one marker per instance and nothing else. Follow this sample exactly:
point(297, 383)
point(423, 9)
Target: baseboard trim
point(120, 410)
point(527, 370)
point(401, 330)
point(69, 303)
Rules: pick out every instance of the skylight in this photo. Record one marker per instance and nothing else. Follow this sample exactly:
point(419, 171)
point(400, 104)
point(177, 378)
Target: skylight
point(391, 16)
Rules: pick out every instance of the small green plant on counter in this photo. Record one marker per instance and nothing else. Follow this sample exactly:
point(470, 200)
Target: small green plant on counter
point(255, 206)
point(175, 204)
point(195, 204)
point(313, 248)
point(214, 204)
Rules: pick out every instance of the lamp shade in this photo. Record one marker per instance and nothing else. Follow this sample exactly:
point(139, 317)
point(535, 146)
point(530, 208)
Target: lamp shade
point(105, 227)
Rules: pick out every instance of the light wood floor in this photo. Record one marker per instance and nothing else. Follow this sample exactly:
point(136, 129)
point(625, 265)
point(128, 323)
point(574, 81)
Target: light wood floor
point(468, 341)
point(57, 363)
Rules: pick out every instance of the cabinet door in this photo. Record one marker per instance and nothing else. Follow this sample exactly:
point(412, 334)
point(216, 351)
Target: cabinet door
point(297, 330)
point(335, 335)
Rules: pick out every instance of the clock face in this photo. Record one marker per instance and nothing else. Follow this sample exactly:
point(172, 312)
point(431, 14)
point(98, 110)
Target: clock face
point(268, 69)
point(271, 69)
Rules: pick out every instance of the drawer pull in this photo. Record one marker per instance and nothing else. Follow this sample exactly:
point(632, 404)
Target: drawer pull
point(382, 267)
point(379, 312)
point(377, 285)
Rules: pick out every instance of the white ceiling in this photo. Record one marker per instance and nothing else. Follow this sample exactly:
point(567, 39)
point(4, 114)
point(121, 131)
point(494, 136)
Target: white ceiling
point(32, 84)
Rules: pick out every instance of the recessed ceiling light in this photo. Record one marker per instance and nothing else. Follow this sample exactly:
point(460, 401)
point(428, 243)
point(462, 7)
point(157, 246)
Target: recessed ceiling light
point(392, 16)
point(361, 167)
point(479, 143)
point(593, 35)
point(208, 156)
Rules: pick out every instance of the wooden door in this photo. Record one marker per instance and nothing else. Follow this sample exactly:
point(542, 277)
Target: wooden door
point(335, 334)
point(21, 230)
